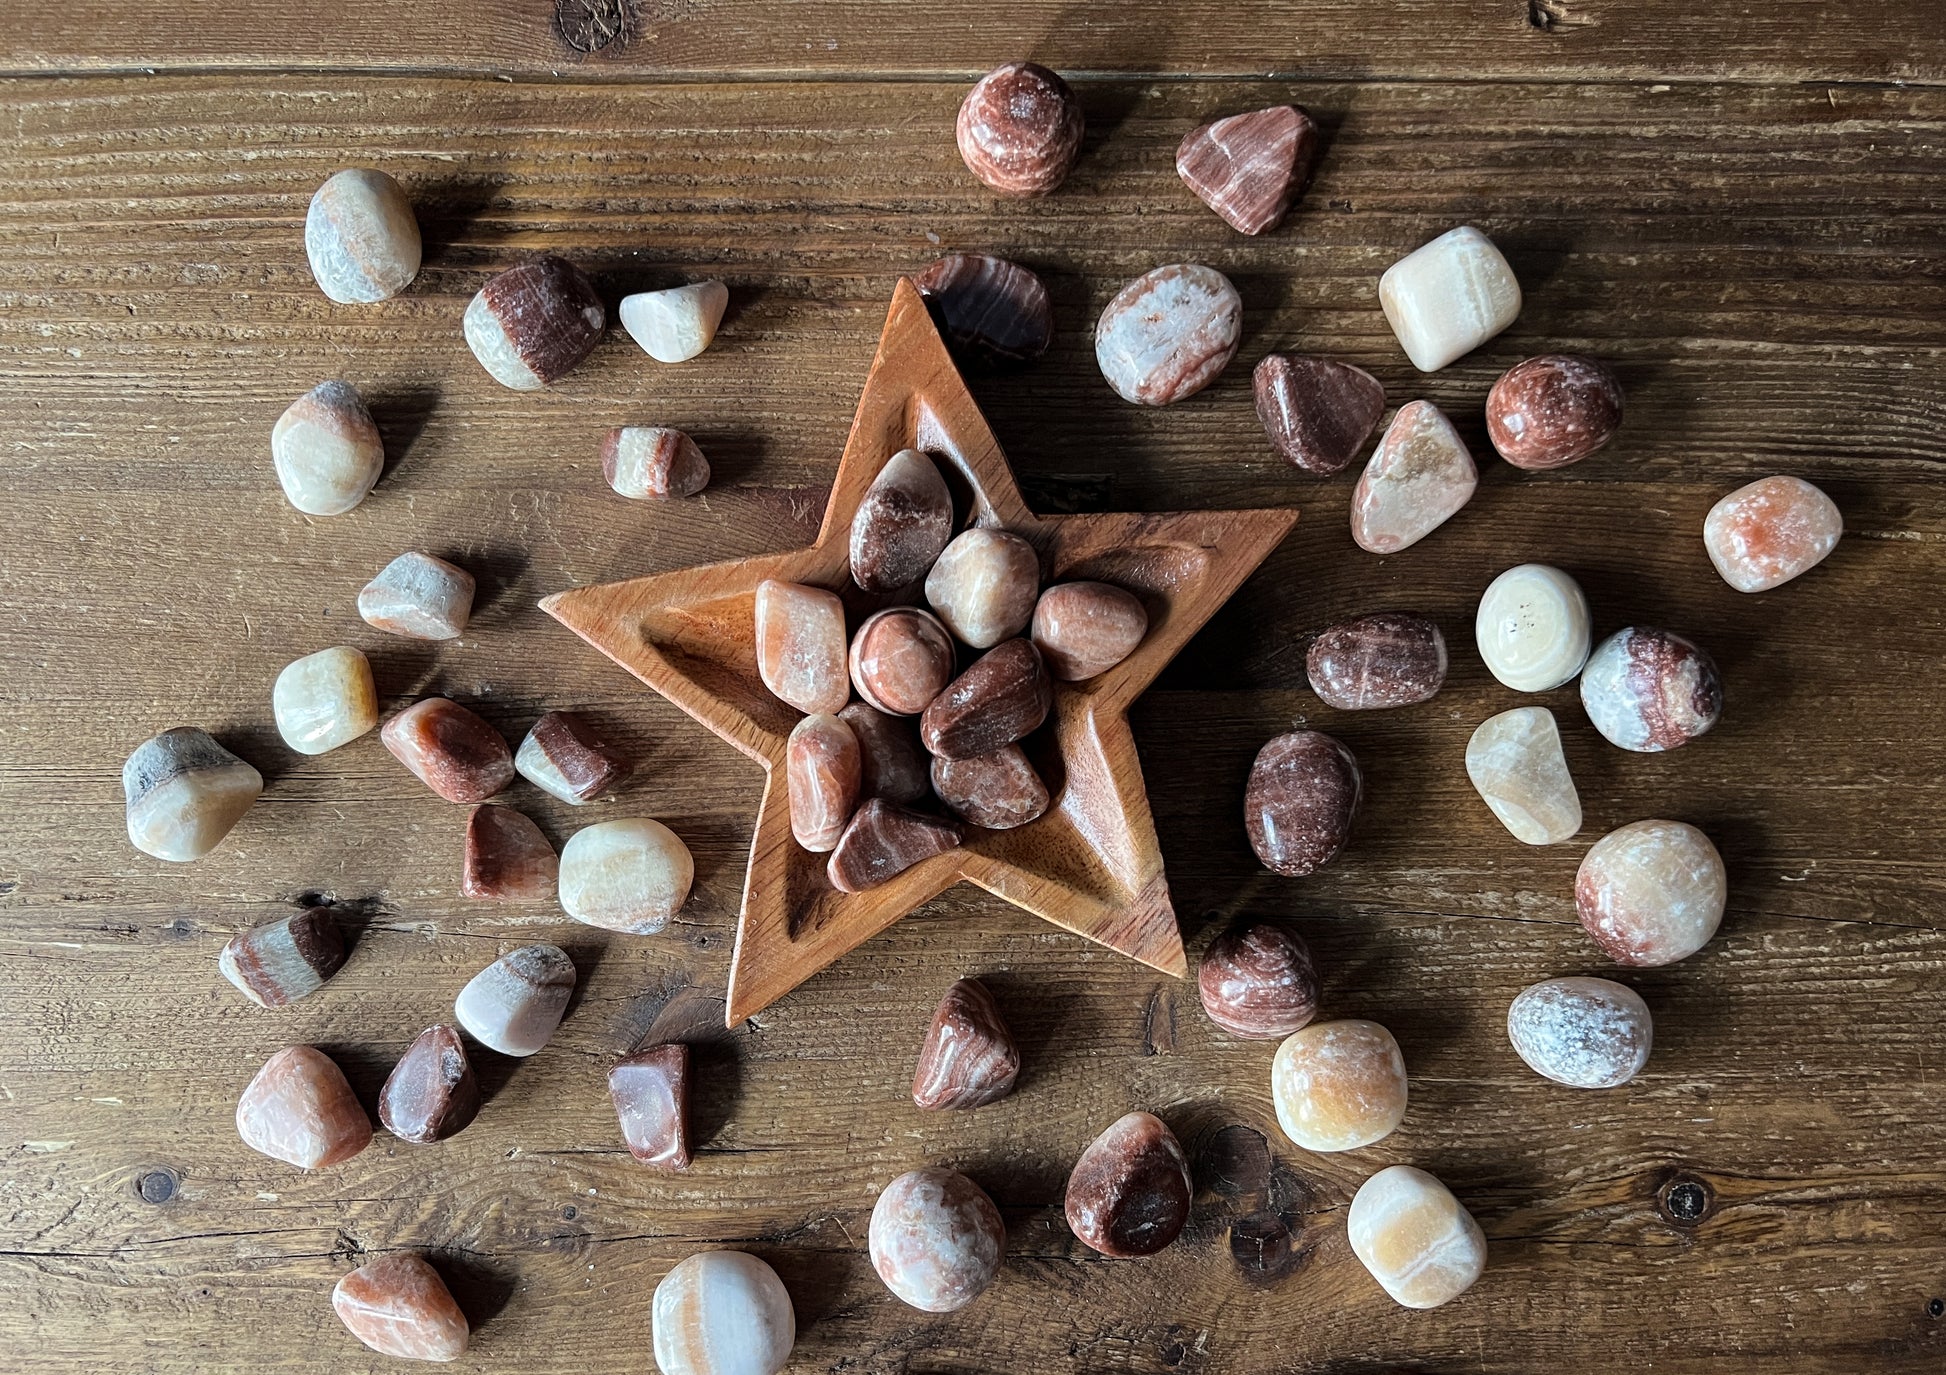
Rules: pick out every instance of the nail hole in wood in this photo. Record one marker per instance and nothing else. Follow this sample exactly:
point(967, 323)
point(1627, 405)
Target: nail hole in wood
point(1685, 1202)
point(157, 1186)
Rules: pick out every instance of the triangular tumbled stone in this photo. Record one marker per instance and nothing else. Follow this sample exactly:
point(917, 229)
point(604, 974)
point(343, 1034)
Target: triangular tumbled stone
point(1249, 168)
point(969, 1058)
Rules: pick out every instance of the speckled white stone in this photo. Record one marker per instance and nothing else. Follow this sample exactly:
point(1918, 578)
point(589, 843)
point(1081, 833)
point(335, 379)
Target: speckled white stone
point(1585, 1033)
point(1516, 763)
point(1419, 1243)
point(1762, 535)
point(1448, 297)
point(722, 1313)
point(1418, 478)
point(936, 1239)
point(674, 326)
point(1533, 628)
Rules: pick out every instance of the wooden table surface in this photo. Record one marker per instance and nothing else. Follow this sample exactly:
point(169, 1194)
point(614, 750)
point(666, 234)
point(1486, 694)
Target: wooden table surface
point(1739, 207)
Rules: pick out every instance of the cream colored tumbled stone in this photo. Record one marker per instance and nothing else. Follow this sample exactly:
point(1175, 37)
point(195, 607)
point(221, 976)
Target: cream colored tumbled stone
point(722, 1313)
point(515, 1003)
point(984, 586)
point(674, 326)
point(1417, 479)
point(184, 793)
point(1516, 763)
point(325, 700)
point(1338, 1085)
point(1419, 1243)
point(1533, 627)
point(1448, 297)
point(361, 237)
point(801, 653)
point(419, 597)
point(327, 450)
point(630, 875)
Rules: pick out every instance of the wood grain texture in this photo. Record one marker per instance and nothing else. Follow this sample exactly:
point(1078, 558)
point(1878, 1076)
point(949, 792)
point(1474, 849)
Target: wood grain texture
point(1761, 263)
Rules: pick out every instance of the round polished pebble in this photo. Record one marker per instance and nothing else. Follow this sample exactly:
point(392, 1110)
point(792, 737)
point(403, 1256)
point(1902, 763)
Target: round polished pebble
point(936, 1239)
point(1585, 1033)
point(1533, 628)
point(901, 658)
point(1169, 333)
point(361, 237)
point(1304, 788)
point(1258, 981)
point(722, 1313)
point(1650, 690)
point(1387, 659)
point(1553, 410)
point(1129, 1193)
point(184, 793)
point(325, 700)
point(1086, 628)
point(1019, 129)
point(1415, 1238)
point(630, 875)
point(1777, 528)
point(984, 586)
point(1338, 1085)
point(327, 450)
point(995, 309)
point(1651, 893)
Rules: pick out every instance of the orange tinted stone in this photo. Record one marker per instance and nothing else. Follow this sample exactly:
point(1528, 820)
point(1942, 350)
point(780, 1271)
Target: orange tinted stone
point(398, 1306)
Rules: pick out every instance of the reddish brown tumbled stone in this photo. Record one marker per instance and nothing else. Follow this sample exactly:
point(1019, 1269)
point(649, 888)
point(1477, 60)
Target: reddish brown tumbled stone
point(1387, 659)
point(988, 306)
point(1303, 789)
point(997, 791)
point(902, 523)
point(1257, 981)
point(1020, 129)
point(450, 750)
point(894, 762)
point(1650, 690)
point(969, 1058)
point(281, 961)
point(1129, 1193)
point(651, 1093)
point(564, 755)
point(532, 324)
point(882, 841)
point(431, 1093)
point(1249, 168)
point(398, 1306)
point(1316, 412)
point(1086, 628)
point(901, 658)
point(1553, 410)
point(823, 769)
point(1003, 697)
point(507, 857)
point(300, 1109)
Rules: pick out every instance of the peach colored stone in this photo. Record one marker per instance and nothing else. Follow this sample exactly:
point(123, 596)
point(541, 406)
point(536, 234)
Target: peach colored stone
point(1652, 892)
point(823, 769)
point(1448, 297)
point(1409, 1231)
point(936, 1239)
point(398, 1306)
point(1086, 628)
point(419, 597)
point(450, 750)
point(984, 586)
point(1777, 528)
point(901, 658)
point(300, 1110)
point(801, 645)
point(722, 1313)
point(1339, 1085)
point(1418, 479)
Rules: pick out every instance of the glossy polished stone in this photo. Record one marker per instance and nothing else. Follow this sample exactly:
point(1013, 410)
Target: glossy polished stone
point(650, 1090)
point(325, 700)
point(327, 450)
point(184, 793)
point(515, 1003)
point(1553, 410)
point(997, 791)
point(532, 324)
point(1516, 763)
point(565, 756)
point(676, 324)
point(1419, 477)
point(894, 764)
point(993, 309)
point(1257, 981)
point(419, 597)
point(281, 961)
point(1303, 791)
point(801, 646)
point(1339, 1085)
point(431, 1093)
point(630, 875)
point(1129, 1193)
point(1651, 893)
point(1004, 696)
point(1086, 628)
point(823, 772)
point(1650, 690)
point(902, 524)
point(1249, 168)
point(1408, 1230)
point(1533, 628)
point(647, 461)
point(450, 750)
point(1775, 529)
point(1448, 297)
point(1585, 1033)
point(901, 658)
point(398, 1306)
point(936, 1239)
point(1019, 129)
point(1169, 333)
point(722, 1313)
point(1317, 413)
point(361, 237)
point(984, 586)
point(882, 841)
point(1386, 659)
point(300, 1110)
point(969, 1058)
point(507, 858)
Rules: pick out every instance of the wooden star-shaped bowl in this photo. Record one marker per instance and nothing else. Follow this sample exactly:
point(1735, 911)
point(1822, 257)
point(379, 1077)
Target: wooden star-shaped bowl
point(1091, 863)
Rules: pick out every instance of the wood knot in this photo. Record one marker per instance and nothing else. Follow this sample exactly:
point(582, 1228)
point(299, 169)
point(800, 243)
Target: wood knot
point(1684, 1201)
point(588, 26)
point(157, 1186)
point(1937, 1308)
point(1260, 1244)
point(1545, 15)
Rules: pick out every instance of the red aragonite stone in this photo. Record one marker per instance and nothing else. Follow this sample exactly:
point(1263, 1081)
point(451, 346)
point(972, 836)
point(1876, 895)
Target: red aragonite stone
point(902, 523)
point(1650, 690)
point(300, 1110)
point(936, 1239)
point(997, 791)
point(398, 1306)
point(969, 1058)
point(1129, 1193)
point(894, 762)
point(651, 1093)
point(1249, 168)
point(450, 750)
point(1304, 787)
point(643, 461)
point(532, 324)
point(1763, 535)
point(1086, 628)
point(1316, 413)
point(564, 755)
point(990, 307)
point(1651, 893)
point(1553, 410)
point(1257, 981)
point(1387, 659)
point(901, 658)
point(431, 1093)
point(281, 961)
point(1020, 129)
point(882, 841)
point(507, 857)
point(801, 645)
point(1002, 698)
point(1418, 479)
point(823, 769)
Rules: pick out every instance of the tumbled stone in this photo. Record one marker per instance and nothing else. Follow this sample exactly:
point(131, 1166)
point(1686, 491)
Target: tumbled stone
point(1257, 981)
point(431, 1093)
point(1516, 763)
point(327, 450)
point(1585, 1033)
point(532, 324)
point(902, 523)
point(1448, 297)
point(450, 750)
point(984, 586)
point(997, 791)
point(969, 1058)
point(895, 764)
point(1775, 529)
point(1249, 168)
point(300, 1110)
point(645, 461)
point(361, 237)
point(801, 645)
point(1003, 697)
point(563, 755)
point(651, 1093)
point(722, 1313)
point(986, 306)
point(1651, 893)
point(507, 857)
point(184, 792)
point(935, 1239)
point(1129, 1193)
point(1533, 628)
point(398, 1306)
point(515, 1003)
point(630, 875)
point(419, 597)
point(676, 324)
point(901, 658)
point(1553, 410)
point(1338, 1085)
point(1408, 1230)
point(1418, 479)
point(1167, 334)
point(1019, 129)
point(281, 961)
point(1316, 412)
point(1386, 659)
point(1650, 690)
point(882, 841)
point(324, 700)
point(1304, 788)
point(822, 772)
point(1086, 628)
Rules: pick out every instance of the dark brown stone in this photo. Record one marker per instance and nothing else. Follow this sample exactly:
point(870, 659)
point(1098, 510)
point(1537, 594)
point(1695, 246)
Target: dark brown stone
point(507, 857)
point(1553, 410)
point(1086, 628)
point(450, 750)
point(1129, 1193)
point(996, 310)
point(902, 524)
point(882, 841)
point(281, 961)
point(550, 313)
point(969, 1058)
point(1304, 787)
point(1019, 129)
point(565, 756)
point(431, 1093)
point(651, 1093)
point(997, 791)
point(1387, 659)
point(889, 749)
point(1004, 696)
point(1257, 981)
point(1249, 168)
point(1317, 413)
